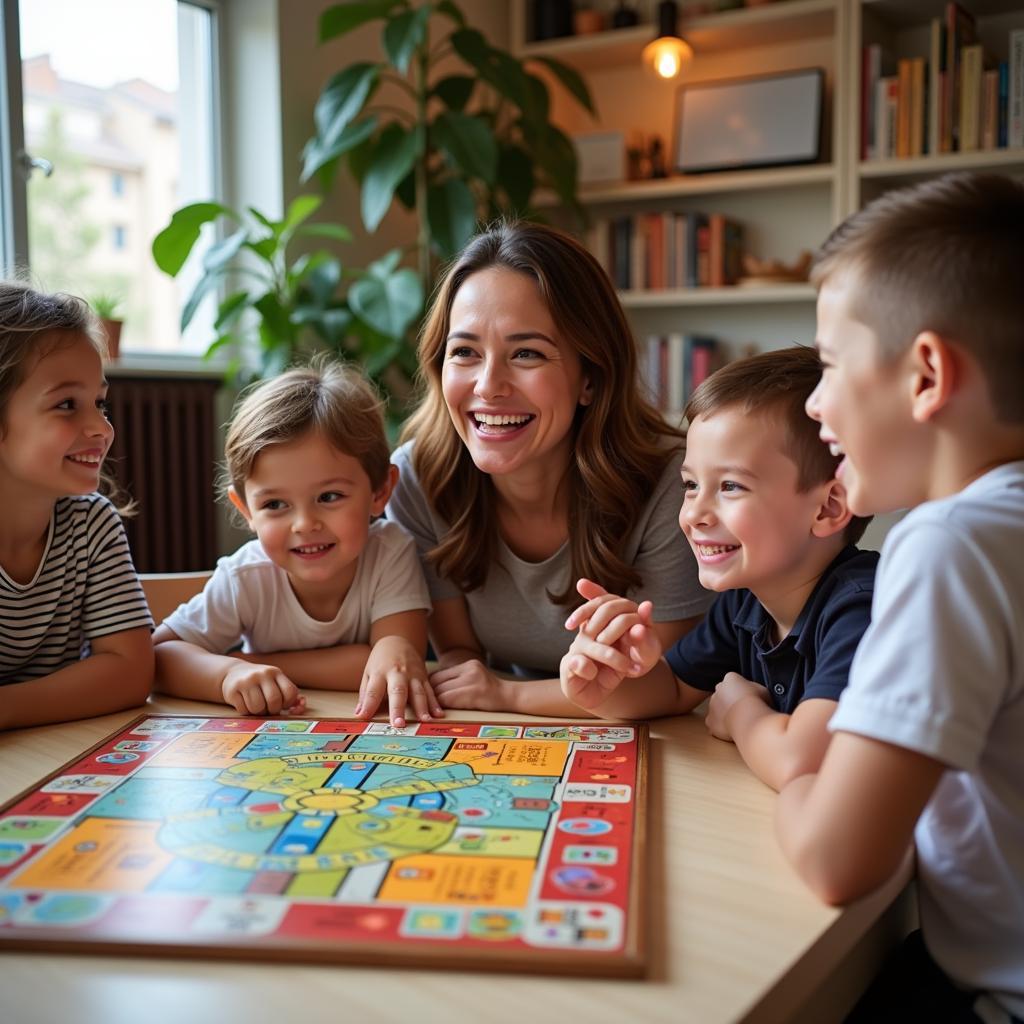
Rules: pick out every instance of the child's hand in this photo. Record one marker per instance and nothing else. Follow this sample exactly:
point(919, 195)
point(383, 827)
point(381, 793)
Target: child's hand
point(730, 691)
point(618, 623)
point(396, 668)
point(471, 685)
point(260, 690)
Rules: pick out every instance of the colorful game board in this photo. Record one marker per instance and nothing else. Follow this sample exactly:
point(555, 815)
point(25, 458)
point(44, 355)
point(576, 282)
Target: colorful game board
point(501, 846)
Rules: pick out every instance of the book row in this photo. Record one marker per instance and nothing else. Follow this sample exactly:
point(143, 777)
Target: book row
point(959, 98)
point(655, 251)
point(672, 366)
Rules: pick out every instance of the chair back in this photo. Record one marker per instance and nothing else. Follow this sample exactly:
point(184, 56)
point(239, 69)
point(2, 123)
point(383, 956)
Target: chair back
point(166, 590)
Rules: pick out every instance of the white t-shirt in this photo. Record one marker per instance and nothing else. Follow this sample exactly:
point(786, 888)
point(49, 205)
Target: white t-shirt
point(249, 598)
point(941, 671)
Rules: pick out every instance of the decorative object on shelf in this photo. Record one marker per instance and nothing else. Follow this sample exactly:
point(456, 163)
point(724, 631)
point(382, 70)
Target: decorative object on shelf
point(600, 157)
point(763, 272)
point(586, 20)
point(668, 53)
point(624, 16)
point(552, 19)
point(757, 121)
point(636, 157)
point(107, 308)
point(656, 166)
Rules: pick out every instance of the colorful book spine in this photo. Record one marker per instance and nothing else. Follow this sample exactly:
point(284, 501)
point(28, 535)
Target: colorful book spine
point(1015, 91)
point(936, 84)
point(990, 109)
point(959, 33)
point(971, 60)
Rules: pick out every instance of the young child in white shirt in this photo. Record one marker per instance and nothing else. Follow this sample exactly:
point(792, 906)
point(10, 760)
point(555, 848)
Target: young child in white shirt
point(921, 333)
point(327, 596)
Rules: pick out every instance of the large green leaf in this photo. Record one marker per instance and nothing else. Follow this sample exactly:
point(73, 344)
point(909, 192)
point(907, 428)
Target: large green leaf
point(554, 154)
point(321, 156)
point(342, 18)
point(454, 91)
point(276, 327)
point(402, 34)
point(392, 160)
point(172, 246)
point(322, 282)
point(537, 104)
point(471, 46)
point(342, 99)
point(204, 286)
point(387, 299)
point(221, 253)
point(511, 80)
point(451, 213)
point(468, 143)
point(453, 12)
point(300, 210)
point(231, 309)
point(336, 232)
point(572, 80)
point(515, 176)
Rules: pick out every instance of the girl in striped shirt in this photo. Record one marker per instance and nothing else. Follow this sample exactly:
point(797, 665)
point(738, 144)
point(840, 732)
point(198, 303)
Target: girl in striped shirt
point(74, 625)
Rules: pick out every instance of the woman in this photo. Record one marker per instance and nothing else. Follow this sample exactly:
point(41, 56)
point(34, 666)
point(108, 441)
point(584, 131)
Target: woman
point(532, 461)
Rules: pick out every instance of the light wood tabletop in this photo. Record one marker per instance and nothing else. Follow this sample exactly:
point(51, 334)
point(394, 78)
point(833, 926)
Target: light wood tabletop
point(733, 934)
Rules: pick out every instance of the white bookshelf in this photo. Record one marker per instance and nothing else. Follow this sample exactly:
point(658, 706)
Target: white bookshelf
point(783, 210)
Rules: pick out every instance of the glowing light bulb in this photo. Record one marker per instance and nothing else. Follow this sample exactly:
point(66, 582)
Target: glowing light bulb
point(667, 55)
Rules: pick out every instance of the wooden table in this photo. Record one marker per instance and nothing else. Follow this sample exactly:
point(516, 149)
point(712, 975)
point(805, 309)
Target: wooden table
point(734, 935)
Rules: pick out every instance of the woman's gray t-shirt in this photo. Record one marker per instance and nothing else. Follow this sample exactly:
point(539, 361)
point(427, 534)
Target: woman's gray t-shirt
point(514, 619)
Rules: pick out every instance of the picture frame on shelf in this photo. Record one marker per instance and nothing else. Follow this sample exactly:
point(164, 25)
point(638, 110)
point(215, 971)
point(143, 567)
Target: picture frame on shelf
point(755, 121)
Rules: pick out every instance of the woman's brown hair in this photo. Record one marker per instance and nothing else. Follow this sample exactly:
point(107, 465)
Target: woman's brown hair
point(621, 443)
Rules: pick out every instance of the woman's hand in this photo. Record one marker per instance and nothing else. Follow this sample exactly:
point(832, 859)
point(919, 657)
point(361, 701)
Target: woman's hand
point(471, 685)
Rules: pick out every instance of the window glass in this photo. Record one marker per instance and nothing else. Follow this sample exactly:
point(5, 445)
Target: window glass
point(118, 96)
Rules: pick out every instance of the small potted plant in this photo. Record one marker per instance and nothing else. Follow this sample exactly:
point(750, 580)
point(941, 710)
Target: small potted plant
point(107, 308)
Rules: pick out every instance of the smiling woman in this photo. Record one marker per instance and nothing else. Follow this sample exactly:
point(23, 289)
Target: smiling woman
point(532, 461)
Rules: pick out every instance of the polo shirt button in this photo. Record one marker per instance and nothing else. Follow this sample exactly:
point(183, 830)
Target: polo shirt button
point(779, 688)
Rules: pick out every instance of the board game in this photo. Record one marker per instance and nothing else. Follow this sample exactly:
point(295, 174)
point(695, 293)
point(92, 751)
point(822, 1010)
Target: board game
point(456, 844)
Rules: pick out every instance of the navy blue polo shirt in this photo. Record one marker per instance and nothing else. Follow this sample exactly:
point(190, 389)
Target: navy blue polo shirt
point(737, 635)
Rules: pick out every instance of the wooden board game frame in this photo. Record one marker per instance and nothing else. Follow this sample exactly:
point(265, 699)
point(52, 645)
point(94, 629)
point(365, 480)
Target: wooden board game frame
point(506, 846)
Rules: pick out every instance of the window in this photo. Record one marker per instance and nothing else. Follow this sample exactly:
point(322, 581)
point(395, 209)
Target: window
point(118, 97)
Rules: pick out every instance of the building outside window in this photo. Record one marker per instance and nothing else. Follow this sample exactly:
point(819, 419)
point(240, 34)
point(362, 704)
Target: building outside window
point(114, 117)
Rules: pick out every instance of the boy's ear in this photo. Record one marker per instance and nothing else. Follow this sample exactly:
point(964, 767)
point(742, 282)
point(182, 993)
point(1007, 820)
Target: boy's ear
point(933, 367)
point(381, 495)
point(833, 513)
point(240, 505)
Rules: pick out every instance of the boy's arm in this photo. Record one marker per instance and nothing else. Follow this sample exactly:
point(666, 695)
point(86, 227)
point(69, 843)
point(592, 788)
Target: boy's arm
point(117, 675)
point(847, 829)
point(776, 747)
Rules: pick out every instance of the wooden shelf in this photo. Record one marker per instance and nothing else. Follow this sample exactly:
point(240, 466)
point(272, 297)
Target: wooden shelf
point(940, 163)
point(766, 25)
point(682, 185)
point(734, 296)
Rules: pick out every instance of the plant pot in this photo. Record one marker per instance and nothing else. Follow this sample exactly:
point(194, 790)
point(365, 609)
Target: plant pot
point(112, 329)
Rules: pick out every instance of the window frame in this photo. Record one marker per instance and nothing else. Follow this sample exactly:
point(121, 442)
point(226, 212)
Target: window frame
point(15, 254)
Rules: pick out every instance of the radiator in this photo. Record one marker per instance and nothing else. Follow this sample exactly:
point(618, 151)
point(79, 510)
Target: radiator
point(163, 457)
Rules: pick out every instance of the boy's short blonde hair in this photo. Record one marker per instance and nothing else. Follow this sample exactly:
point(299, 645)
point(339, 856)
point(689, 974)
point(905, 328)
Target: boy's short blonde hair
point(328, 397)
point(944, 256)
point(778, 384)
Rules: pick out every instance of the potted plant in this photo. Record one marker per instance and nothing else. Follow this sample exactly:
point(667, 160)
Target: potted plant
point(107, 307)
point(470, 146)
point(279, 309)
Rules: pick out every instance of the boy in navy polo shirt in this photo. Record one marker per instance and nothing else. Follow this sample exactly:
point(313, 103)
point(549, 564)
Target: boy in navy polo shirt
point(772, 532)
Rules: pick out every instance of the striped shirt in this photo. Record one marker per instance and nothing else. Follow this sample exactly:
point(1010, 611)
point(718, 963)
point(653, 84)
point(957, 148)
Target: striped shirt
point(85, 587)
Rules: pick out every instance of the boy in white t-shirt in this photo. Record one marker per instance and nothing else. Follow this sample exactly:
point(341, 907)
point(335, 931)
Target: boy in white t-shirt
point(326, 597)
point(921, 332)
